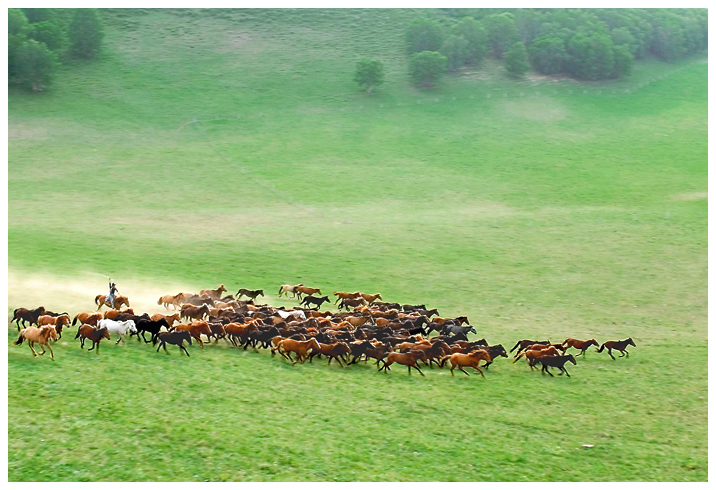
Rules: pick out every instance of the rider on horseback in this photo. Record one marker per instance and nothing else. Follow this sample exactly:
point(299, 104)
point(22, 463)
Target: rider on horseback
point(112, 293)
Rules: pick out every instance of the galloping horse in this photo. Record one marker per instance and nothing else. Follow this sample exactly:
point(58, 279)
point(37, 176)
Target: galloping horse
point(556, 361)
point(118, 301)
point(87, 318)
point(214, 294)
point(409, 358)
point(300, 347)
point(582, 345)
point(370, 298)
point(58, 322)
point(170, 319)
point(174, 338)
point(342, 295)
point(471, 359)
point(26, 315)
point(308, 300)
point(532, 355)
point(619, 345)
point(287, 288)
point(113, 314)
point(95, 334)
point(249, 293)
point(175, 300)
point(40, 335)
point(195, 329)
point(194, 312)
point(151, 326)
point(301, 289)
point(523, 344)
point(120, 328)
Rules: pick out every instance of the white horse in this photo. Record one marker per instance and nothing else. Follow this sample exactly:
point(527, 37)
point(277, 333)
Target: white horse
point(287, 288)
point(120, 328)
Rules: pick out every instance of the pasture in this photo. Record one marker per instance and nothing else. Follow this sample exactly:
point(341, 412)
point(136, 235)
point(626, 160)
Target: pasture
point(235, 149)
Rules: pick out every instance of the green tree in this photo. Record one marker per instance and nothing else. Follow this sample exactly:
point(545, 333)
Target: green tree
point(35, 65)
point(48, 33)
point(623, 61)
point(516, 62)
point(548, 55)
point(501, 33)
point(455, 49)
point(476, 36)
point(591, 56)
point(86, 32)
point(427, 67)
point(17, 29)
point(424, 35)
point(369, 73)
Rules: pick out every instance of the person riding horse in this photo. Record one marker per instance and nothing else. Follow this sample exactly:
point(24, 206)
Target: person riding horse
point(112, 292)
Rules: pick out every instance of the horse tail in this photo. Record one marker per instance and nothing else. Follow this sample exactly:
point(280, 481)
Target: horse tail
point(280, 290)
point(74, 320)
point(601, 348)
point(516, 345)
point(517, 357)
point(20, 338)
point(96, 299)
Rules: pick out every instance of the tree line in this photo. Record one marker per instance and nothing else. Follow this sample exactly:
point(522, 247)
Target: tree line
point(40, 39)
point(584, 44)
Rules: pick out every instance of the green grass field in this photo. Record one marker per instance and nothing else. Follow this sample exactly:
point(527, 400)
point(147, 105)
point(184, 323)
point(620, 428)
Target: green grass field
point(235, 148)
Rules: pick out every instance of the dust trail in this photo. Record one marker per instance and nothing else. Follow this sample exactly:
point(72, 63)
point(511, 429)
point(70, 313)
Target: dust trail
point(77, 293)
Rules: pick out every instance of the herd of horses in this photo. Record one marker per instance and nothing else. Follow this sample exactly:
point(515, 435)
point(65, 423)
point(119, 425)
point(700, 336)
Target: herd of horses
point(368, 329)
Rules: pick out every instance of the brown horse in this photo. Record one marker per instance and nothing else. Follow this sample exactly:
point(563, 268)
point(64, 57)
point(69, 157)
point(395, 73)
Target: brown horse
point(194, 312)
point(531, 355)
point(343, 295)
point(95, 334)
point(26, 315)
point(331, 351)
point(471, 359)
point(300, 347)
point(619, 345)
point(86, 317)
point(174, 338)
point(214, 294)
point(409, 358)
point(249, 293)
point(118, 301)
point(524, 344)
point(112, 314)
point(169, 318)
point(582, 345)
point(301, 289)
point(41, 335)
point(175, 300)
point(370, 298)
point(57, 321)
point(556, 361)
point(196, 329)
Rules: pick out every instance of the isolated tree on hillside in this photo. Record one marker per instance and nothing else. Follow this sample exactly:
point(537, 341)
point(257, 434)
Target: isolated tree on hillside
point(86, 33)
point(35, 65)
point(369, 74)
point(476, 36)
point(516, 62)
point(455, 50)
point(427, 67)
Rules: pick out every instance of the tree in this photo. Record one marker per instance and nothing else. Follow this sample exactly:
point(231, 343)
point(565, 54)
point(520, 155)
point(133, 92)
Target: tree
point(424, 35)
point(369, 73)
point(427, 67)
point(17, 22)
point(476, 36)
point(501, 33)
point(591, 56)
point(48, 33)
point(548, 55)
point(623, 61)
point(516, 60)
point(35, 65)
point(86, 32)
point(455, 50)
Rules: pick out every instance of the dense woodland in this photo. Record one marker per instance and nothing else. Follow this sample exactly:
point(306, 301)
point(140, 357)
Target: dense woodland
point(585, 44)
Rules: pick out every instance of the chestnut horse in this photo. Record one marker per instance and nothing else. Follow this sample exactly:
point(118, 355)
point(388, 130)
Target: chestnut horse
point(88, 318)
point(619, 345)
point(41, 335)
point(523, 344)
point(113, 314)
point(301, 289)
point(300, 347)
point(58, 322)
point(214, 294)
point(471, 359)
point(582, 345)
point(370, 298)
point(26, 315)
point(170, 319)
point(342, 295)
point(532, 355)
point(118, 301)
point(409, 358)
point(196, 329)
point(287, 288)
point(95, 334)
point(175, 300)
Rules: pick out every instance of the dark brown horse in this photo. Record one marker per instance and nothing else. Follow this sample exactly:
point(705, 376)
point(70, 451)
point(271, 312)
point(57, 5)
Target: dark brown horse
point(25, 315)
point(556, 361)
point(174, 338)
point(523, 344)
point(95, 334)
point(249, 293)
point(194, 312)
point(619, 345)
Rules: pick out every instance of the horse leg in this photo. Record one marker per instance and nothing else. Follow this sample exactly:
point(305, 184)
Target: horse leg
point(184, 348)
point(544, 369)
point(610, 354)
point(94, 344)
point(30, 342)
point(479, 371)
point(52, 354)
point(416, 367)
point(42, 347)
point(565, 371)
point(461, 369)
point(624, 352)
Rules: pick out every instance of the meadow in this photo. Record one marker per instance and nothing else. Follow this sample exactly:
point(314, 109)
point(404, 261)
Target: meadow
point(235, 148)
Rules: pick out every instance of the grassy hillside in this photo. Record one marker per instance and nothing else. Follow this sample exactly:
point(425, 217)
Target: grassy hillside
point(234, 147)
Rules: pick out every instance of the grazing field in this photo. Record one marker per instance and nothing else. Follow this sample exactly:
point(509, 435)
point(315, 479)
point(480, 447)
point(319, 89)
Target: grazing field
point(235, 148)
